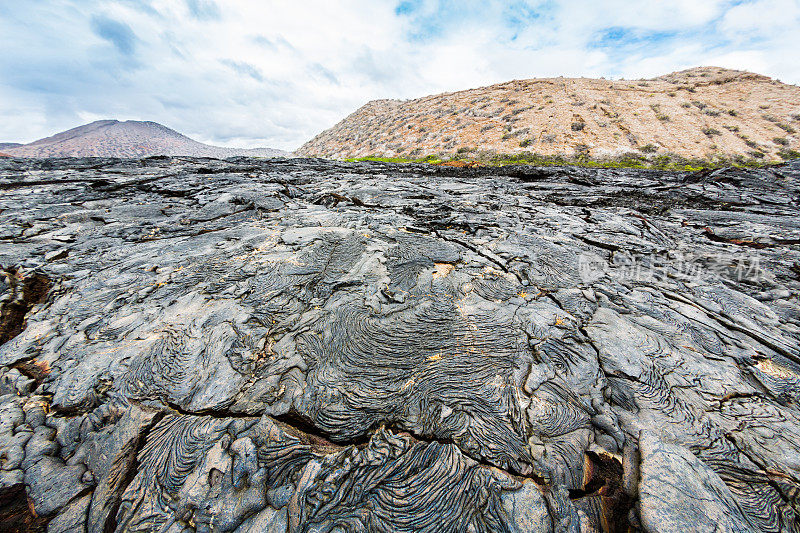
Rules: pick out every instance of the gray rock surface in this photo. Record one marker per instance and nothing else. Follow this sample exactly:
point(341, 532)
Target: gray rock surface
point(302, 345)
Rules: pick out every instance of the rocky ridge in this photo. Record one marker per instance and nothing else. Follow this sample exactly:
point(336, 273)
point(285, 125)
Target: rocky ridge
point(131, 138)
point(304, 345)
point(704, 112)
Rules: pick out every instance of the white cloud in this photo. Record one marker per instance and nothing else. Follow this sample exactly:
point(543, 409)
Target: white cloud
point(275, 74)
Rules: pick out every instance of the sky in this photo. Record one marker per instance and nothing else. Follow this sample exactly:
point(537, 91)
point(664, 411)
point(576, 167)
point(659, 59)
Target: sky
point(275, 73)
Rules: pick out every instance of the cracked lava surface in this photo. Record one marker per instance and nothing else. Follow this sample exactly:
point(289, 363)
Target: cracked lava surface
point(305, 345)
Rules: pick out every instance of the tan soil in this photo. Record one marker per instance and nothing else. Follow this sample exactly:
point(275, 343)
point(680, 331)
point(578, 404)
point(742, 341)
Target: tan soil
point(700, 112)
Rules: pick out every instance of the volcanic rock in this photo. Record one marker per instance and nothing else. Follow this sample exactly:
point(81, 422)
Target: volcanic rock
point(305, 345)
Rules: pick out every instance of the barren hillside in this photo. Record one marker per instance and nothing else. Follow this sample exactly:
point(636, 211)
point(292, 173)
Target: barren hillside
point(701, 112)
point(112, 138)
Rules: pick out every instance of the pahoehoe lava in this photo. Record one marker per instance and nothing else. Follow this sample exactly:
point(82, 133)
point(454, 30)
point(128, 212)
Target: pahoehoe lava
point(306, 345)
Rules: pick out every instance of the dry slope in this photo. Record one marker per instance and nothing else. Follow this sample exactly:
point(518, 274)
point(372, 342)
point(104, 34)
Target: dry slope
point(701, 112)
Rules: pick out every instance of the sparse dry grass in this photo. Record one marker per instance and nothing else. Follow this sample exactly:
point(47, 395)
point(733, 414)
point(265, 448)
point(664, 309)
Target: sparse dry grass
point(686, 113)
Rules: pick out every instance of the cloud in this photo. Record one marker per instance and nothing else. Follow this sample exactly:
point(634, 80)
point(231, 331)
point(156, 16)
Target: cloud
point(251, 73)
point(203, 9)
point(117, 33)
point(240, 67)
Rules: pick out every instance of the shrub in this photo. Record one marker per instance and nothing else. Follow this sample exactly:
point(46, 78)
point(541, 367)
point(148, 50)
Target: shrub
point(731, 128)
point(687, 105)
point(796, 116)
point(756, 154)
point(525, 143)
point(649, 148)
point(789, 154)
point(548, 138)
point(577, 126)
point(733, 113)
point(763, 107)
point(750, 143)
point(710, 132)
point(785, 127)
point(487, 128)
point(711, 112)
point(781, 141)
point(769, 118)
point(582, 149)
point(699, 105)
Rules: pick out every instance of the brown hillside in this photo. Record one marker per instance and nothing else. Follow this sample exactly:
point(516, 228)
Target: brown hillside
point(131, 138)
point(700, 112)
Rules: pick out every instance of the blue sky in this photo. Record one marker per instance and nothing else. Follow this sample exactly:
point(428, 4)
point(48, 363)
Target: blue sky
point(275, 73)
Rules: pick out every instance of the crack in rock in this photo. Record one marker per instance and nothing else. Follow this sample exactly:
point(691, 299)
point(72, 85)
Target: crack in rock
point(306, 345)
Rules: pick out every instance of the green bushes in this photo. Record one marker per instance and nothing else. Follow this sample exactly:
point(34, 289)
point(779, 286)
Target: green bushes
point(663, 161)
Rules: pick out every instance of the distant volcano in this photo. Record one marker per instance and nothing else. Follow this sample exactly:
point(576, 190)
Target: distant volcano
point(132, 138)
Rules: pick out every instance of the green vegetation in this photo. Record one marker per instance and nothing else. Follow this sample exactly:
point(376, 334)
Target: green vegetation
point(643, 160)
point(785, 127)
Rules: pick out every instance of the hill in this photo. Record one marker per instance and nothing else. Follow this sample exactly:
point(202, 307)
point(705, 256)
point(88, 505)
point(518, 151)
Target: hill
point(703, 112)
point(112, 138)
